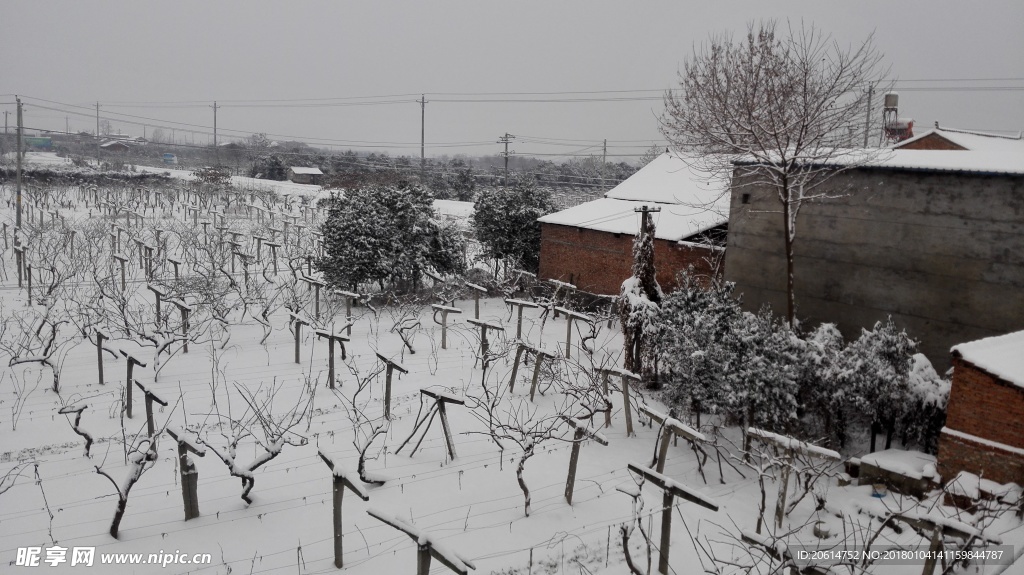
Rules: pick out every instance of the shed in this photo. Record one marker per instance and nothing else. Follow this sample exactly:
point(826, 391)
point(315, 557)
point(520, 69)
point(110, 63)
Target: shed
point(300, 175)
point(591, 245)
point(984, 433)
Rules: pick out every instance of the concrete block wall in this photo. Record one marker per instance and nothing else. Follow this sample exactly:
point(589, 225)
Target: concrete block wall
point(598, 262)
point(942, 253)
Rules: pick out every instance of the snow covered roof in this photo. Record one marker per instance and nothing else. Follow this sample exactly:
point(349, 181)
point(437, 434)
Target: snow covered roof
point(454, 209)
point(1007, 161)
point(310, 171)
point(691, 202)
point(1001, 356)
point(971, 140)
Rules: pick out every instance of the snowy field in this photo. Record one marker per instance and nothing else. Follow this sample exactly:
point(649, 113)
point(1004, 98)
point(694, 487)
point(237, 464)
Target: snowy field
point(239, 383)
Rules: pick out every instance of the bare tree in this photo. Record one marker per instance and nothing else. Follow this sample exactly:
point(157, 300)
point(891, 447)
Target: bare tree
point(269, 431)
point(781, 106)
point(142, 456)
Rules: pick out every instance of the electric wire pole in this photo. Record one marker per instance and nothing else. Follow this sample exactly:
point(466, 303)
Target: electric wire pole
point(97, 134)
point(505, 140)
point(216, 150)
point(867, 116)
point(423, 131)
point(17, 185)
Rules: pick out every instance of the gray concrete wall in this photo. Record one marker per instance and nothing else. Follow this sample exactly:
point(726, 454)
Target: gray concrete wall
point(943, 254)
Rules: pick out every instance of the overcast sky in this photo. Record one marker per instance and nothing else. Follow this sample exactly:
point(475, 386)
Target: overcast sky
point(167, 62)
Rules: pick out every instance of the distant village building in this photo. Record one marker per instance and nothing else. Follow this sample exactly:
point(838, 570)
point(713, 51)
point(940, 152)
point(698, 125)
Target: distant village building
point(984, 433)
point(300, 175)
point(933, 238)
point(953, 139)
point(591, 245)
point(115, 146)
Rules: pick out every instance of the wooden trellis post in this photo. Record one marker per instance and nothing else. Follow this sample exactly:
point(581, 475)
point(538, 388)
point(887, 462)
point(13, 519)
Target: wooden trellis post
point(570, 317)
point(100, 336)
point(391, 367)
point(671, 489)
point(581, 432)
point(187, 469)
point(625, 377)
point(340, 483)
point(426, 548)
point(939, 530)
point(440, 399)
point(539, 357)
point(444, 311)
point(138, 251)
point(477, 290)
point(331, 339)
point(559, 285)
point(132, 362)
point(299, 321)
point(519, 305)
point(316, 285)
point(273, 253)
point(670, 427)
point(185, 310)
point(149, 261)
point(123, 260)
point(521, 347)
point(150, 398)
point(158, 293)
point(175, 263)
point(349, 298)
point(259, 244)
point(789, 447)
point(484, 346)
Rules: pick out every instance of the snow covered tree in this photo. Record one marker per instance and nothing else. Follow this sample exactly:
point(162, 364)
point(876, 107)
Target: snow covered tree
point(639, 305)
point(781, 103)
point(505, 220)
point(386, 234)
point(698, 342)
point(875, 370)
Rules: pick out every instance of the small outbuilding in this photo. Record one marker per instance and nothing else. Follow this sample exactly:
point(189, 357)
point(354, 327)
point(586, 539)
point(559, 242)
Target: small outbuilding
point(984, 432)
point(591, 245)
point(300, 175)
point(115, 146)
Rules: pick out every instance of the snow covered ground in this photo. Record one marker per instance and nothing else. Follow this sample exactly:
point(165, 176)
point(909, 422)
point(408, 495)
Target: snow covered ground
point(472, 505)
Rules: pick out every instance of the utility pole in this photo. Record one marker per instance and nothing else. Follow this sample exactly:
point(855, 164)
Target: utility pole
point(67, 125)
point(17, 185)
point(216, 150)
point(505, 140)
point(645, 214)
point(423, 132)
point(5, 121)
point(604, 152)
point(867, 115)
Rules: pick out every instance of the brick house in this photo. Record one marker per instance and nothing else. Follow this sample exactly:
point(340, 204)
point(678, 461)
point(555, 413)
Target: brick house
point(953, 139)
point(591, 245)
point(932, 238)
point(984, 432)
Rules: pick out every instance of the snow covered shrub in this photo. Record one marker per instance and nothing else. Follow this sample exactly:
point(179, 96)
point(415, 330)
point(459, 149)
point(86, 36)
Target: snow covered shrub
point(640, 298)
point(505, 220)
point(874, 377)
point(925, 413)
point(719, 359)
point(697, 344)
point(386, 234)
point(822, 397)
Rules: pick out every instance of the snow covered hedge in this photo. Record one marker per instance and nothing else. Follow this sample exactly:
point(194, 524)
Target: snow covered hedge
point(387, 234)
point(756, 371)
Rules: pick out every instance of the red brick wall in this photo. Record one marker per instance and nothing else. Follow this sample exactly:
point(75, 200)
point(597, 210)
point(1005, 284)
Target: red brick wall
point(932, 142)
point(990, 408)
point(598, 262)
point(958, 454)
point(985, 406)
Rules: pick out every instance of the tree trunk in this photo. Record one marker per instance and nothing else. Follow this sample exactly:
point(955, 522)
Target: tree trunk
point(788, 232)
point(122, 505)
point(527, 453)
